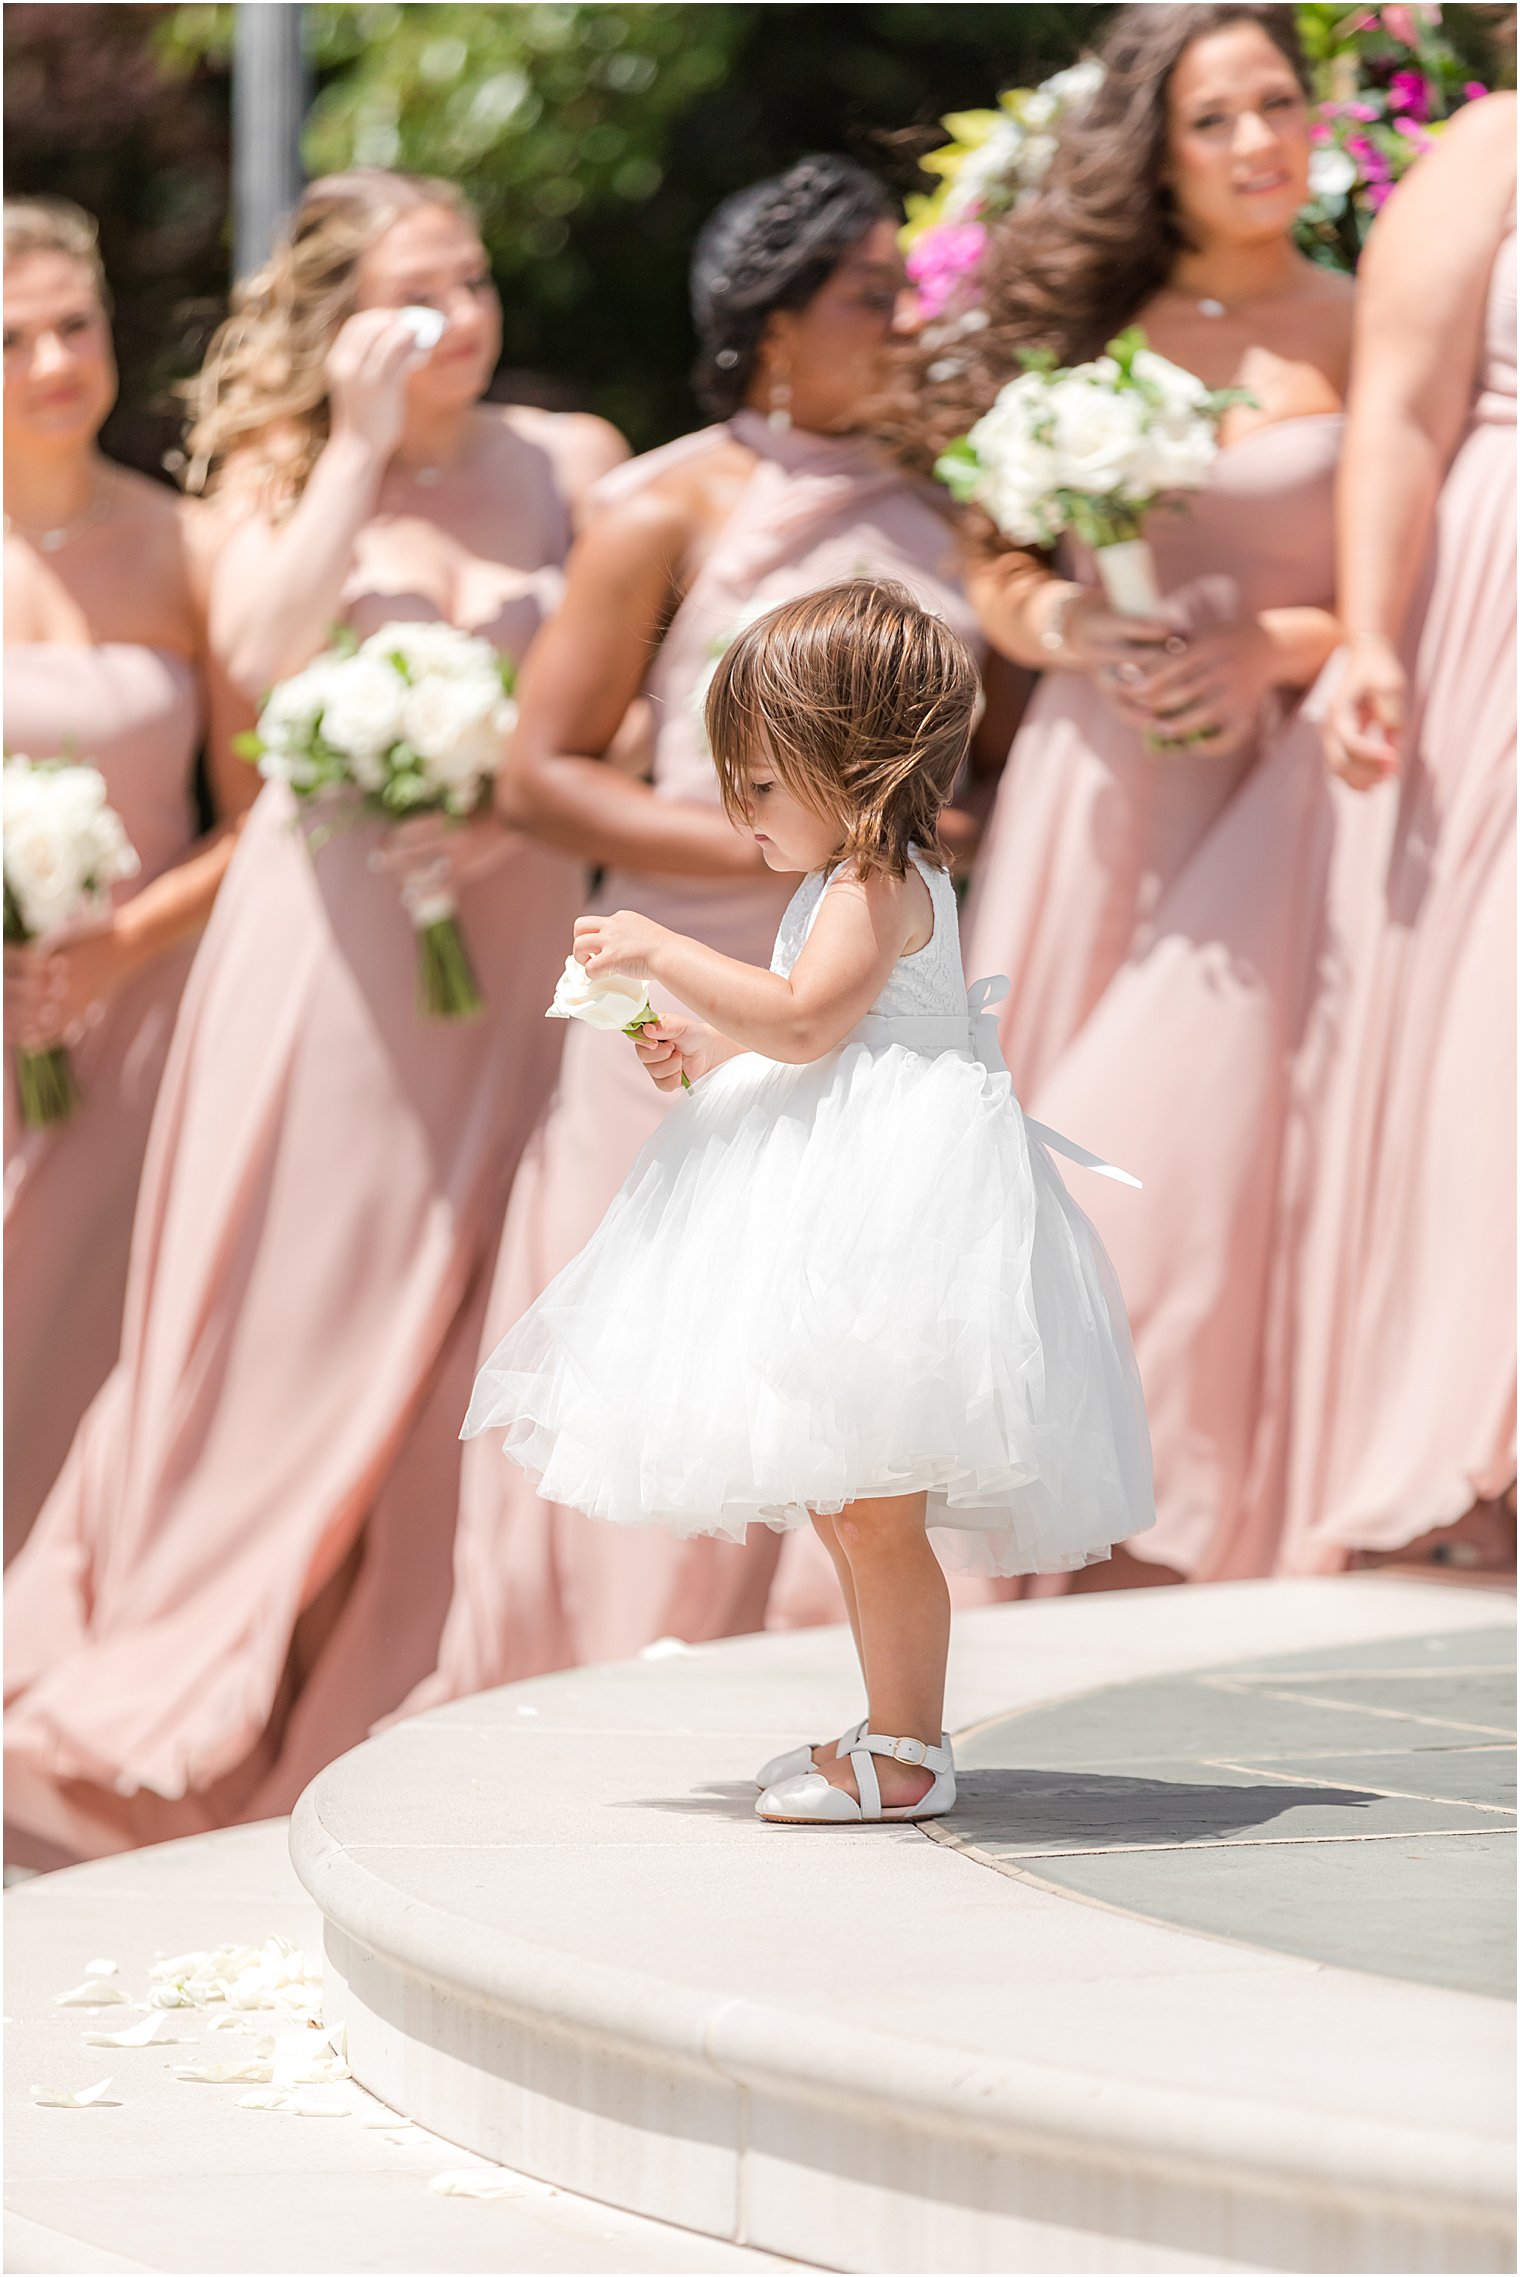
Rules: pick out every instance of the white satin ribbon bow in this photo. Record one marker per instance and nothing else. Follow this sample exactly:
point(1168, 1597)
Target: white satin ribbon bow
point(981, 996)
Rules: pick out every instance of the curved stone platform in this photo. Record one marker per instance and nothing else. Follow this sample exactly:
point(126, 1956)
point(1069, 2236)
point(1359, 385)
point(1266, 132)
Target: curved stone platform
point(556, 1934)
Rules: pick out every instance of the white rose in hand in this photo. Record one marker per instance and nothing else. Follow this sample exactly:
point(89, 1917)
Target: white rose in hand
point(611, 1002)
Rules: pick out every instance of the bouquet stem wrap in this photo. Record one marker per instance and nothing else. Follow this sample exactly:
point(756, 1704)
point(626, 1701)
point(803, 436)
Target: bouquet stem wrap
point(446, 984)
point(1128, 573)
point(45, 1086)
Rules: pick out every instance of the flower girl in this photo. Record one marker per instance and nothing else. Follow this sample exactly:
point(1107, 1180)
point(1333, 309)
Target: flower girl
point(843, 1284)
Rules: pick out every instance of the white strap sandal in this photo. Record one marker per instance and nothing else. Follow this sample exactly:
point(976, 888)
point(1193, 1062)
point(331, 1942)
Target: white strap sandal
point(809, 1800)
point(797, 1762)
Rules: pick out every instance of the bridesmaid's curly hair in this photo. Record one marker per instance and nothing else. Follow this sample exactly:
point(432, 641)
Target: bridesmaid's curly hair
point(261, 394)
point(862, 700)
point(768, 247)
point(1071, 267)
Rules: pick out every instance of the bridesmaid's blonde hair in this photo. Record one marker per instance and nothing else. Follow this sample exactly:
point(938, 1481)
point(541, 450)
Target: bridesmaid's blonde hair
point(56, 225)
point(862, 700)
point(262, 390)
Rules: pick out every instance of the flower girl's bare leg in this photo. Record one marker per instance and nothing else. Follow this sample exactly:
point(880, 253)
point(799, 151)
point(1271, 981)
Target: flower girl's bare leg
point(828, 1534)
point(903, 1609)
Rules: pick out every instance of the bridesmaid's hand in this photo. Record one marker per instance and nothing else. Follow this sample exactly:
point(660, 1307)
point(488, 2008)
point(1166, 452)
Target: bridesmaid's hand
point(53, 989)
point(674, 1046)
point(1366, 714)
point(367, 369)
point(623, 943)
point(438, 854)
point(1208, 698)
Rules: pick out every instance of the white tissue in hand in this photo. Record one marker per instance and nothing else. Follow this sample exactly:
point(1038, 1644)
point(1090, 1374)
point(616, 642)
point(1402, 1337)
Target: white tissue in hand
point(609, 1002)
point(426, 325)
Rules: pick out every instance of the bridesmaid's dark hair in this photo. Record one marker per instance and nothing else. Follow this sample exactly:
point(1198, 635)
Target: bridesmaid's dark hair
point(768, 247)
point(1076, 263)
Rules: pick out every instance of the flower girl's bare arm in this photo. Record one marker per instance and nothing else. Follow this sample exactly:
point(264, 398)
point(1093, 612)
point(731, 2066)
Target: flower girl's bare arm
point(860, 932)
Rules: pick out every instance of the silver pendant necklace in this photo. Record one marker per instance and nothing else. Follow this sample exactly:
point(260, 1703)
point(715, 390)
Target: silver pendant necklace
point(51, 541)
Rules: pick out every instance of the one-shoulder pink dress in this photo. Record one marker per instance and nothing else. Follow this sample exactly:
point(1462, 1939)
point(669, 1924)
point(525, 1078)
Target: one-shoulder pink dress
point(538, 1586)
point(1403, 1413)
point(324, 1192)
point(135, 713)
point(1161, 918)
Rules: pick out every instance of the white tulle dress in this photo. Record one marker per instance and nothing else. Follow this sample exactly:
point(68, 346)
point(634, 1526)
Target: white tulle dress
point(858, 1277)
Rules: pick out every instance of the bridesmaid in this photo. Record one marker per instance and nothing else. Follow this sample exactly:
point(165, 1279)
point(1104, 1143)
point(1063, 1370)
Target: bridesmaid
point(794, 284)
point(245, 1559)
point(1158, 912)
point(1405, 1389)
point(105, 662)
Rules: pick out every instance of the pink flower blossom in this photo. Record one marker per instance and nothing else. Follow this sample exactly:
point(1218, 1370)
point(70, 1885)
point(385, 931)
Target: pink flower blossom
point(1408, 92)
point(1378, 195)
point(940, 262)
point(1473, 91)
point(1366, 112)
point(1413, 133)
point(1406, 24)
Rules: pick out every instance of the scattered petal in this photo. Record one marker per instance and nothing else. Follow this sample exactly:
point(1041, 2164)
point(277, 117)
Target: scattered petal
point(100, 1969)
point(229, 2024)
point(169, 1996)
point(306, 2103)
point(258, 2064)
point(134, 2036)
point(476, 2182)
point(92, 1994)
point(664, 1648)
point(70, 2099)
point(524, 1710)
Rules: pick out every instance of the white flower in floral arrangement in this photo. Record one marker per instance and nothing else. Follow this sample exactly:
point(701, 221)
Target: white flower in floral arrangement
point(65, 845)
point(458, 728)
point(362, 715)
point(288, 722)
point(1096, 428)
point(427, 645)
point(1075, 85)
point(1332, 172)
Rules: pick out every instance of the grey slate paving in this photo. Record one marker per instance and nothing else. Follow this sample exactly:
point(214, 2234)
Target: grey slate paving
point(1355, 1806)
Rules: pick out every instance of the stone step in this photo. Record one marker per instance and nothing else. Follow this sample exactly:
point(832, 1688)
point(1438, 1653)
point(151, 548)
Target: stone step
point(556, 1933)
point(170, 2175)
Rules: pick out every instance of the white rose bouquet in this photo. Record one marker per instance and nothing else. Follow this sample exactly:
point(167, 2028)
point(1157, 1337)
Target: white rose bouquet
point(64, 848)
point(415, 720)
point(1092, 449)
point(610, 1003)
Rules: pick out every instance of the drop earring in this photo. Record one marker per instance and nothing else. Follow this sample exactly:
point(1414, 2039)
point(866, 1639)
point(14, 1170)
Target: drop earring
point(779, 417)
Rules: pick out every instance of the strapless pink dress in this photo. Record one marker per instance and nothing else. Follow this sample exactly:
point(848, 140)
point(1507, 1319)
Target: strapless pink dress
point(322, 1201)
point(1404, 1406)
point(1160, 919)
point(538, 1586)
point(134, 713)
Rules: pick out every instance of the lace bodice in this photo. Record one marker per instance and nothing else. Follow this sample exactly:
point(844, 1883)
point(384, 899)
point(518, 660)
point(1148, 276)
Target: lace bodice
point(930, 981)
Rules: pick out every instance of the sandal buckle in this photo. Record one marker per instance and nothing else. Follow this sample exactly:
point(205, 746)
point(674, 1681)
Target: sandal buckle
point(912, 1751)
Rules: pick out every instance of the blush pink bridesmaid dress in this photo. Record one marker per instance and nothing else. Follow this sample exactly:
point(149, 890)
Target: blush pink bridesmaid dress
point(246, 1559)
point(1404, 1400)
point(135, 713)
point(536, 1586)
point(1161, 919)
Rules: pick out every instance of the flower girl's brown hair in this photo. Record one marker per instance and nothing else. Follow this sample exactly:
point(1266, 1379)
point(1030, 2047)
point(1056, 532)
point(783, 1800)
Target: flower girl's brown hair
point(862, 700)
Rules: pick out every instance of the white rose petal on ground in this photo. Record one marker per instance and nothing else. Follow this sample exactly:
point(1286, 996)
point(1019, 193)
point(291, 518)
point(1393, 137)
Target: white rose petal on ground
point(134, 2036)
point(664, 1648)
point(92, 1994)
point(476, 2182)
point(70, 2098)
point(101, 1969)
point(305, 2103)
